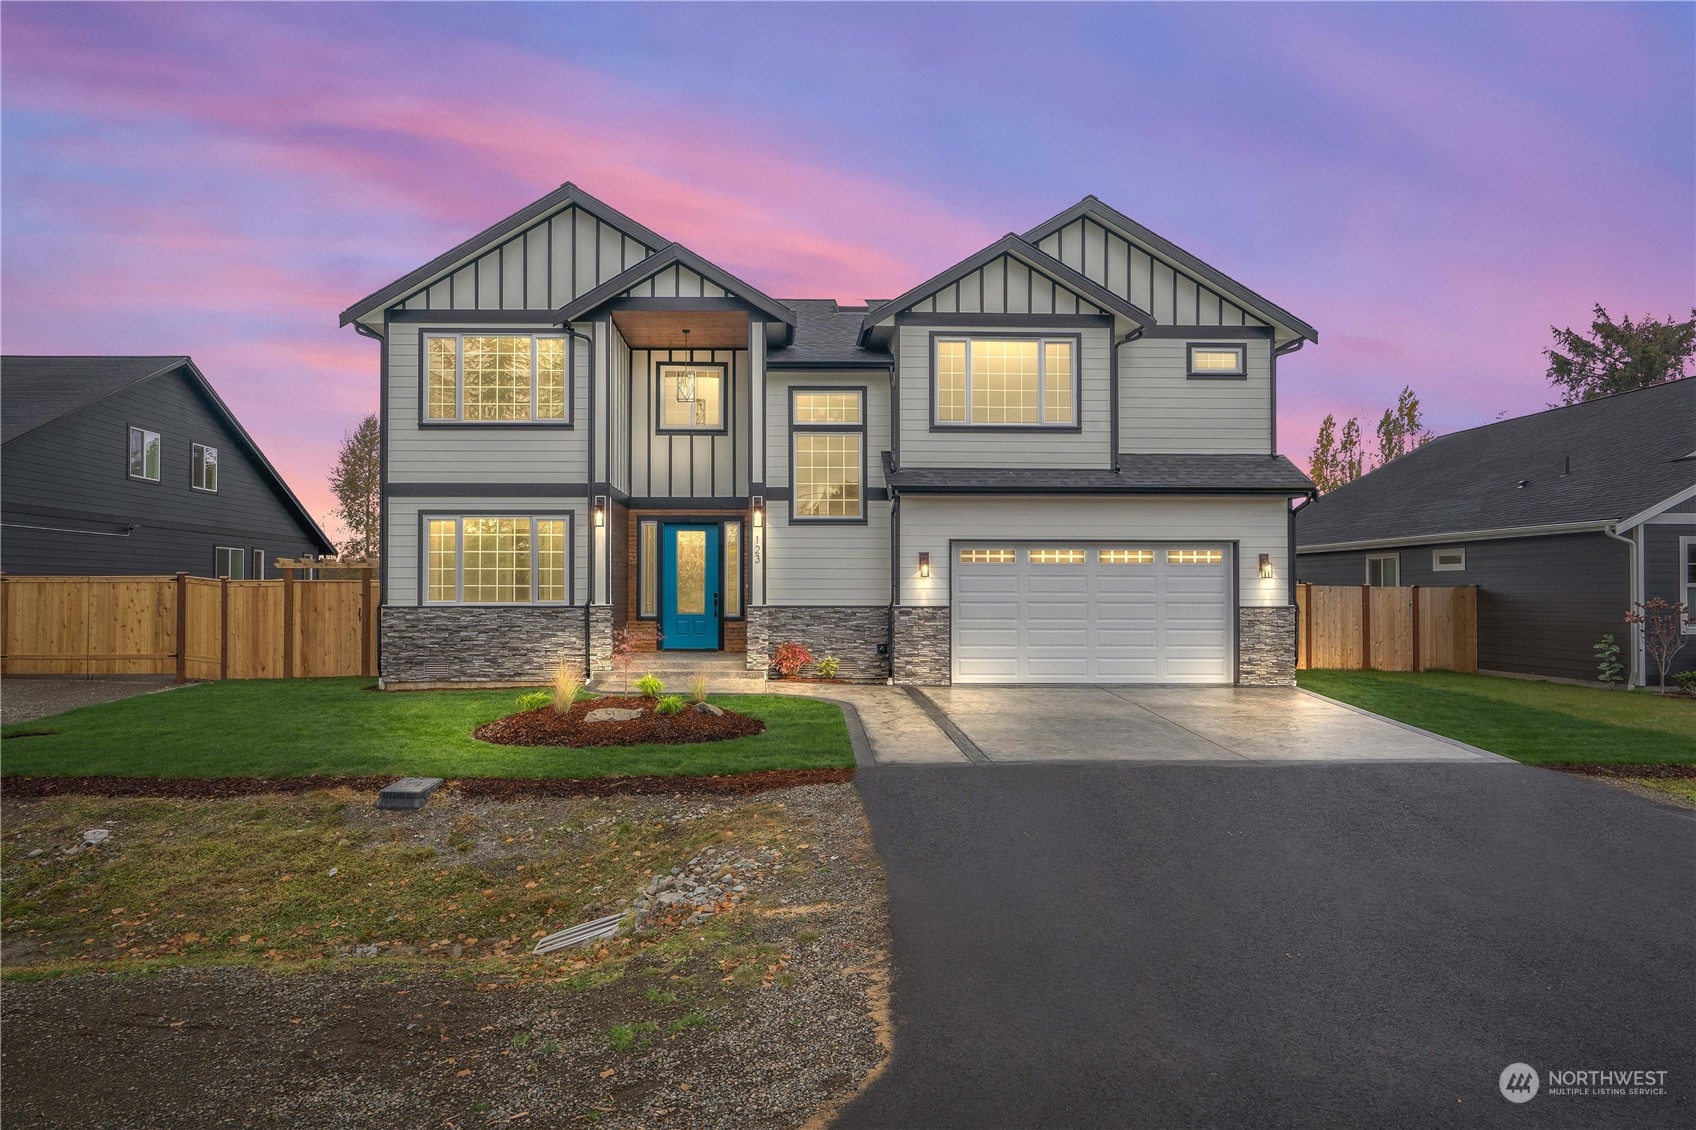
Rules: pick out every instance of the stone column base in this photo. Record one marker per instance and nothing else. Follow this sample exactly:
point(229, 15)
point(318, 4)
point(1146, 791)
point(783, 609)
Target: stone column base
point(924, 645)
point(1266, 646)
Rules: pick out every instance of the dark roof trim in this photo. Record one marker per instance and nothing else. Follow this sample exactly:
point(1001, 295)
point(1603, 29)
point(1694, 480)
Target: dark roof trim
point(1498, 534)
point(1128, 488)
point(564, 196)
point(171, 365)
point(1175, 256)
point(826, 366)
point(669, 255)
point(1032, 257)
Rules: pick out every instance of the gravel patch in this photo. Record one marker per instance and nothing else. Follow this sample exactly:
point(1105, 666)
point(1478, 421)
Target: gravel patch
point(26, 699)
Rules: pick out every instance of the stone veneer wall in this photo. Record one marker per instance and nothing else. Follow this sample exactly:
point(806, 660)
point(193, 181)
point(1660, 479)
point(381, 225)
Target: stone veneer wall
point(1266, 646)
point(851, 633)
point(600, 639)
point(460, 644)
point(924, 645)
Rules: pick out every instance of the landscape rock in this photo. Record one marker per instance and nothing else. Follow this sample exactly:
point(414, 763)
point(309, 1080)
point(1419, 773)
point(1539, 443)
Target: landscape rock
point(612, 714)
point(708, 708)
point(94, 837)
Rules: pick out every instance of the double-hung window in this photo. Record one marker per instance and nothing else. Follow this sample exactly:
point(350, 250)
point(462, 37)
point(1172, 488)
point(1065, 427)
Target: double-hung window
point(495, 379)
point(1006, 382)
point(828, 442)
point(203, 467)
point(144, 454)
point(499, 559)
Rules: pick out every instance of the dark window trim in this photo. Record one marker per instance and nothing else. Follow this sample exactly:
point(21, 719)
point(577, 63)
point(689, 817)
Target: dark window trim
point(128, 428)
point(194, 463)
point(425, 517)
point(1189, 360)
point(1075, 427)
point(660, 367)
point(425, 333)
point(859, 429)
point(683, 518)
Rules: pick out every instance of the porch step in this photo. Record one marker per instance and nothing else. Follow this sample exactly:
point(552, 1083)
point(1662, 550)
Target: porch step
point(727, 672)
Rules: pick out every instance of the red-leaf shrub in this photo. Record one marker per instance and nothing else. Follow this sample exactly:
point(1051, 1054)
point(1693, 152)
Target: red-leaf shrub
point(789, 658)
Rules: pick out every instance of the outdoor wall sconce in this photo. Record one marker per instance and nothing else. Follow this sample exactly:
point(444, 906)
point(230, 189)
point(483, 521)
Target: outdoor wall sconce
point(1266, 566)
point(600, 511)
point(759, 507)
point(924, 564)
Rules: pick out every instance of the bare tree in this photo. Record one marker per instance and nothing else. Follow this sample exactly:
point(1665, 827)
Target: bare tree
point(1663, 626)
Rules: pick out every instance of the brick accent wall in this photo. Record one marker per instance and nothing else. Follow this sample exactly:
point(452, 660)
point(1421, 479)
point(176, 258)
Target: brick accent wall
point(851, 633)
point(478, 644)
point(1266, 646)
point(924, 648)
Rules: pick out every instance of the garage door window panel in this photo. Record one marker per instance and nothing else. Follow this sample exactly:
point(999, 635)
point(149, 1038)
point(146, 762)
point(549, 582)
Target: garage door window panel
point(1006, 382)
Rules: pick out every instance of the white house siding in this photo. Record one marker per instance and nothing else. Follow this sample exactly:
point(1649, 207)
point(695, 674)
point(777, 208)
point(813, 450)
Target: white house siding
point(480, 454)
point(684, 465)
point(1162, 411)
point(401, 547)
point(921, 447)
point(930, 523)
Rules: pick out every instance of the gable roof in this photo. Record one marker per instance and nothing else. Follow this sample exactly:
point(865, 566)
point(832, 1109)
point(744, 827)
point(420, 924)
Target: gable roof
point(566, 195)
point(1174, 256)
point(1599, 462)
point(1032, 257)
point(827, 335)
point(37, 390)
point(670, 255)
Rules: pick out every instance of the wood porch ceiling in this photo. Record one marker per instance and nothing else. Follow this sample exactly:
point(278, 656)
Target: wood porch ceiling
point(663, 329)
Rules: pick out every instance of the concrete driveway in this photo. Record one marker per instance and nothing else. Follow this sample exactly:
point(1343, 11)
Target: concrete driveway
point(1189, 724)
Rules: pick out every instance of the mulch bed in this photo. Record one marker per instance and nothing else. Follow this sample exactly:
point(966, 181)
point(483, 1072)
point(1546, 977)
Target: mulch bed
point(548, 726)
point(1653, 772)
point(480, 788)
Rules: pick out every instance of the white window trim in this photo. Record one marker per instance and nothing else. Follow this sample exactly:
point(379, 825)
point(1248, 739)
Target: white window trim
point(145, 432)
point(1437, 565)
point(1075, 341)
point(458, 519)
point(458, 418)
point(228, 553)
point(197, 463)
point(1684, 587)
point(1371, 557)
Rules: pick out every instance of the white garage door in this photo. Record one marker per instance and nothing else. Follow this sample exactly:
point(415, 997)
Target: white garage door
point(1092, 612)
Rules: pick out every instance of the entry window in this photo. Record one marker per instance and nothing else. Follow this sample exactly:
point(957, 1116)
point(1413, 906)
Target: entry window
point(495, 378)
point(228, 563)
point(1384, 571)
point(1126, 556)
point(691, 397)
point(828, 429)
point(203, 467)
point(733, 568)
point(1218, 360)
point(1018, 382)
point(1448, 560)
point(144, 454)
point(497, 560)
point(988, 556)
point(1057, 557)
point(1195, 556)
point(648, 579)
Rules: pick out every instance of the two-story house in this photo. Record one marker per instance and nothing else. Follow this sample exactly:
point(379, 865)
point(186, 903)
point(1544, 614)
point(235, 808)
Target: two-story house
point(1056, 461)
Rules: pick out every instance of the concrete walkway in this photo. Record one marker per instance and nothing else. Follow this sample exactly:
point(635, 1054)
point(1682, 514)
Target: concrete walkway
point(897, 727)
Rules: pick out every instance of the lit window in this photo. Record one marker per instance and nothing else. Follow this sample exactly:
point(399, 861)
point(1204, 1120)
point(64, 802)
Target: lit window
point(228, 563)
point(1006, 382)
point(829, 453)
point(144, 454)
point(828, 407)
point(203, 467)
point(1384, 571)
point(1126, 556)
point(503, 560)
point(444, 559)
point(550, 560)
point(1448, 560)
point(1057, 557)
point(1195, 556)
point(733, 568)
point(495, 378)
point(692, 397)
point(1215, 360)
point(648, 585)
point(988, 556)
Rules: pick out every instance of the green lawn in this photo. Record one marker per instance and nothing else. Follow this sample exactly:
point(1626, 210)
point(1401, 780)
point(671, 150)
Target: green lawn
point(1538, 723)
point(293, 727)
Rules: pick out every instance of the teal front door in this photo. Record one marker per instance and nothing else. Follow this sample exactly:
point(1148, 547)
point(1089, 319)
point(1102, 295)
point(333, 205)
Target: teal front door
point(689, 610)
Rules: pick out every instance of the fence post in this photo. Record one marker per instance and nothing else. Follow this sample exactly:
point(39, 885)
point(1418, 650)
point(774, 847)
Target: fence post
point(223, 627)
point(1415, 664)
point(366, 667)
point(182, 627)
point(288, 623)
point(1366, 627)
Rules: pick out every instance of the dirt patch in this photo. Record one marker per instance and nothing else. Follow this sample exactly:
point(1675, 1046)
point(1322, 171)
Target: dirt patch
point(1629, 772)
point(216, 788)
point(548, 726)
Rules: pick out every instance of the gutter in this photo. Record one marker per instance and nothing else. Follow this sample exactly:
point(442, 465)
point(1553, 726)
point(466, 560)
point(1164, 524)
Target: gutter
point(1460, 535)
point(589, 556)
point(1635, 668)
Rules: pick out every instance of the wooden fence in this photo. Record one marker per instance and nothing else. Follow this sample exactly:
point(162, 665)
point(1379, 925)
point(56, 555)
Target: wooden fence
point(1376, 628)
point(190, 627)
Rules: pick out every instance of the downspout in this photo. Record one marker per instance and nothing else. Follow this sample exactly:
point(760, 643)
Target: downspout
point(1113, 406)
point(894, 571)
point(1635, 667)
point(589, 591)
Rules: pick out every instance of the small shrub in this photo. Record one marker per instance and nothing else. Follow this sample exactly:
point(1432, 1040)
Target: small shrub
point(790, 658)
point(650, 685)
point(534, 700)
point(1685, 681)
point(829, 666)
point(1608, 666)
point(698, 687)
point(670, 704)
point(568, 685)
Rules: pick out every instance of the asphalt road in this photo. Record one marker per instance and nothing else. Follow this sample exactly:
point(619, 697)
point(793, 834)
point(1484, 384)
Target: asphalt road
point(1278, 945)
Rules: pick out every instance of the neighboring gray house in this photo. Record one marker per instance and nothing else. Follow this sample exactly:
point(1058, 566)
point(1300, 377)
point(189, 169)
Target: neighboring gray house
point(130, 466)
point(1056, 461)
point(1561, 519)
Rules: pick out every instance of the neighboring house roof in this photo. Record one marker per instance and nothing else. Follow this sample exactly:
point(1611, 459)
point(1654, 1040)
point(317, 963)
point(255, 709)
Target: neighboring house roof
point(826, 336)
point(1174, 256)
point(667, 256)
point(1137, 474)
point(1602, 461)
point(36, 390)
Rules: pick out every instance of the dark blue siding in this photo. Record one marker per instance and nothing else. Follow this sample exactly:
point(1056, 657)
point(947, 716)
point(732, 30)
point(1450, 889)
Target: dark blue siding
point(1662, 573)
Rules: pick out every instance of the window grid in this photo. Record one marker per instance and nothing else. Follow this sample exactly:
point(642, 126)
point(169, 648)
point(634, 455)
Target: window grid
point(1195, 556)
point(988, 556)
point(444, 378)
point(827, 408)
point(497, 560)
point(144, 454)
point(1017, 382)
point(444, 559)
point(495, 378)
point(827, 474)
point(1057, 557)
point(951, 382)
point(733, 568)
point(550, 378)
point(698, 409)
point(1125, 556)
point(550, 559)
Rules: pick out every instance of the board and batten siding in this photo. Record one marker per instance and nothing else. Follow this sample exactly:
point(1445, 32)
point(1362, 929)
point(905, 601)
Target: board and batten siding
point(1173, 297)
point(930, 523)
point(401, 547)
point(831, 565)
point(1004, 285)
point(543, 267)
point(1086, 448)
point(491, 453)
point(1163, 411)
point(685, 464)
